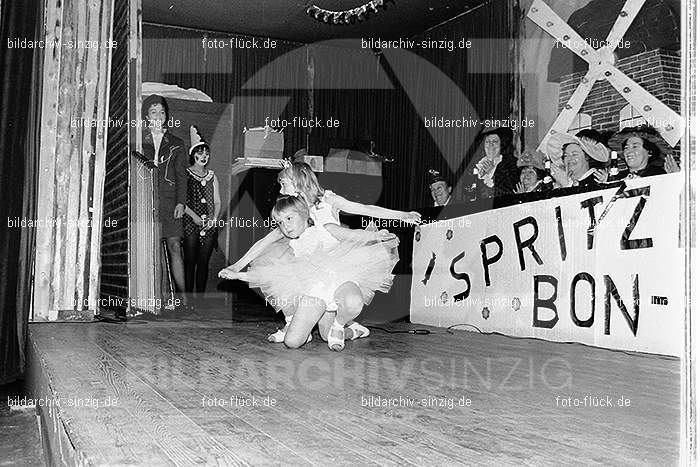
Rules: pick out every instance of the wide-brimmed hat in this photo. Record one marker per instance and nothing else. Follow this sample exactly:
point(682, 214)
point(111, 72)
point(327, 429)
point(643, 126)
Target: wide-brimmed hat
point(504, 133)
point(196, 140)
point(530, 157)
point(646, 132)
point(556, 143)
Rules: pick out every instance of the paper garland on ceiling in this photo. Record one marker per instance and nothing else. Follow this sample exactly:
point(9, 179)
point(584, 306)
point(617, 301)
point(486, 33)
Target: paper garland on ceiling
point(346, 16)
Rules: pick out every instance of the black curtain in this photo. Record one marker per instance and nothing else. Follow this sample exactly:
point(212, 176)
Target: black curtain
point(480, 87)
point(20, 103)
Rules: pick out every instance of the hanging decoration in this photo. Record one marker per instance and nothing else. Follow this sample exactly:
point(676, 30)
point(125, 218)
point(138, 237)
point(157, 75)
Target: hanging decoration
point(350, 16)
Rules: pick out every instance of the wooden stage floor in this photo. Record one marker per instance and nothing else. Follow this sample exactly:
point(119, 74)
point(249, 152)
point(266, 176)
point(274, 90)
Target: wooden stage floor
point(216, 393)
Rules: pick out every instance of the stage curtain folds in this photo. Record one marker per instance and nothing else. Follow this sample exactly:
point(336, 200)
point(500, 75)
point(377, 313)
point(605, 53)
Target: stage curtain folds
point(19, 88)
point(481, 89)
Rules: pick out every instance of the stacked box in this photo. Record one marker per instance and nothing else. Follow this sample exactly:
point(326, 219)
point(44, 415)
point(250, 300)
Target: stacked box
point(263, 142)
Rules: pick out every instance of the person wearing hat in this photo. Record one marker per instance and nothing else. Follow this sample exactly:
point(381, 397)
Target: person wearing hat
point(642, 148)
point(496, 171)
point(167, 153)
point(577, 161)
point(440, 190)
point(531, 172)
point(201, 214)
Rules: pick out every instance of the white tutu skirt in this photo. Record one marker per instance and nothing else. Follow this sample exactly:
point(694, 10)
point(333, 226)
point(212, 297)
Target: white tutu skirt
point(284, 278)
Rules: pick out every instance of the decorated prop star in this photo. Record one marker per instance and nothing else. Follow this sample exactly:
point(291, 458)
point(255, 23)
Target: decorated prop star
point(601, 65)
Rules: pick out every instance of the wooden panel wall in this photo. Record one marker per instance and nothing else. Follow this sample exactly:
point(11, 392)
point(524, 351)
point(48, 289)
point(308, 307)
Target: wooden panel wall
point(72, 154)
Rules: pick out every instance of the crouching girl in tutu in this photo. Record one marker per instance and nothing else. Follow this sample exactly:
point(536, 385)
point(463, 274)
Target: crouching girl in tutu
point(324, 208)
point(326, 275)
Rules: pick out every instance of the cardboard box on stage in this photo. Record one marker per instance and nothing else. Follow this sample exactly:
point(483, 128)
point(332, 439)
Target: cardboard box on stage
point(354, 162)
point(315, 162)
point(263, 142)
point(336, 161)
point(361, 163)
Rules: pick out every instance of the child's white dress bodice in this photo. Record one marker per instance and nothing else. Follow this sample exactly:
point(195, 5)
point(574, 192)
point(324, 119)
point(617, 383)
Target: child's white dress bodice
point(316, 240)
point(323, 212)
point(311, 240)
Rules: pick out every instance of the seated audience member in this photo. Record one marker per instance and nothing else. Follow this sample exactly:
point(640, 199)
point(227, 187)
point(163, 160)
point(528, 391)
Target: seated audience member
point(497, 170)
point(531, 173)
point(577, 161)
point(440, 189)
point(642, 148)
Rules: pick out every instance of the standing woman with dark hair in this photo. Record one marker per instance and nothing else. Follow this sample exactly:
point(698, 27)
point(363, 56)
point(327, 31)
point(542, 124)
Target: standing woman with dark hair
point(202, 211)
point(497, 172)
point(167, 152)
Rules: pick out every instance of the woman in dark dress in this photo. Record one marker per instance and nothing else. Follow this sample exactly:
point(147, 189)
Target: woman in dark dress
point(496, 171)
point(201, 214)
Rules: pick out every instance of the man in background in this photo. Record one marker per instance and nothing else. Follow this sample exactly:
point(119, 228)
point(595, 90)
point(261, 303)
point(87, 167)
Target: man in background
point(440, 190)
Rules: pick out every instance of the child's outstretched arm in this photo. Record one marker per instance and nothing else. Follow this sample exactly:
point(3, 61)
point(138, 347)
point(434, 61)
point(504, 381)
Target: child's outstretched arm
point(352, 207)
point(358, 235)
point(255, 250)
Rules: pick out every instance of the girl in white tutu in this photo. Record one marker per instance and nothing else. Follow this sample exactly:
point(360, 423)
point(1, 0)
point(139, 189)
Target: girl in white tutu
point(325, 276)
point(324, 209)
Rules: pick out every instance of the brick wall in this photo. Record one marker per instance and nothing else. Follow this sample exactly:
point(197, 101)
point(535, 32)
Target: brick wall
point(658, 71)
point(114, 274)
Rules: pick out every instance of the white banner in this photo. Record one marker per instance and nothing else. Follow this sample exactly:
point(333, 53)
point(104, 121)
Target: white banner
point(603, 268)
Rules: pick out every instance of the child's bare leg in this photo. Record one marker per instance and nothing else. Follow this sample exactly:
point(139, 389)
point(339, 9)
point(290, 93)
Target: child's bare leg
point(324, 324)
point(288, 309)
point(349, 299)
point(308, 313)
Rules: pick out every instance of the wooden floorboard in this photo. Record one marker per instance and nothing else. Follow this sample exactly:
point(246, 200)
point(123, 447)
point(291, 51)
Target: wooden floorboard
point(175, 385)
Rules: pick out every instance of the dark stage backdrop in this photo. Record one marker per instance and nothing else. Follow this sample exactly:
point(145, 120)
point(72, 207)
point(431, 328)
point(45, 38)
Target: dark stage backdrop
point(259, 82)
point(427, 81)
point(481, 89)
point(20, 85)
point(381, 97)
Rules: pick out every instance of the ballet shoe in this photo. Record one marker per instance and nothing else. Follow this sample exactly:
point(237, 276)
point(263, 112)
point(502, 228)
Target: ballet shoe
point(336, 343)
point(277, 337)
point(358, 331)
